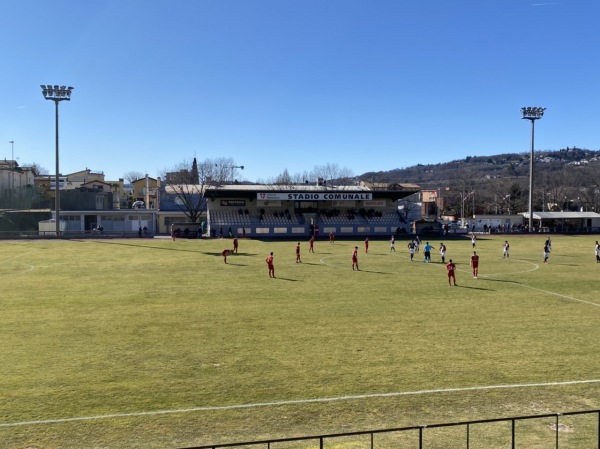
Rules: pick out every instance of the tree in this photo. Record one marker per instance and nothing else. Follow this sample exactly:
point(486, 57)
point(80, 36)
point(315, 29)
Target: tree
point(133, 175)
point(225, 170)
point(188, 182)
point(37, 169)
point(333, 174)
point(588, 190)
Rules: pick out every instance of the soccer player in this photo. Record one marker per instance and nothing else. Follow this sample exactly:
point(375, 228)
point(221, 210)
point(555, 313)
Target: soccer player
point(597, 251)
point(298, 253)
point(393, 244)
point(506, 248)
point(411, 249)
point(270, 264)
point(224, 253)
point(311, 244)
point(367, 245)
point(331, 238)
point(443, 252)
point(235, 245)
point(355, 258)
point(475, 265)
point(451, 267)
point(473, 238)
point(546, 251)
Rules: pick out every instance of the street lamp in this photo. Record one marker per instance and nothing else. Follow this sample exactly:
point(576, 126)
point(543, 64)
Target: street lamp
point(12, 162)
point(56, 94)
point(532, 114)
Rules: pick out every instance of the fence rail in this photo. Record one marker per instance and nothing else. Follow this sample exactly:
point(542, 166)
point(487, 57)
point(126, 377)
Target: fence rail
point(423, 429)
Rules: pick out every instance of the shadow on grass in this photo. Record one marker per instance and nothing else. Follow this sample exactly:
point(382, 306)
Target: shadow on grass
point(286, 279)
point(500, 280)
point(145, 246)
point(475, 288)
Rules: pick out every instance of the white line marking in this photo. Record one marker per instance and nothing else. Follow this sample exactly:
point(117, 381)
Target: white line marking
point(560, 295)
point(297, 401)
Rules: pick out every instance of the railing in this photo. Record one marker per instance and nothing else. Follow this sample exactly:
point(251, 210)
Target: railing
point(422, 430)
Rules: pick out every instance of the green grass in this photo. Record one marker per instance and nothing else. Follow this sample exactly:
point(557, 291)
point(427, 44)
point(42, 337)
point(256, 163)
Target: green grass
point(94, 329)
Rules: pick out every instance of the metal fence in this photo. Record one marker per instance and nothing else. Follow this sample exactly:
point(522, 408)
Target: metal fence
point(469, 432)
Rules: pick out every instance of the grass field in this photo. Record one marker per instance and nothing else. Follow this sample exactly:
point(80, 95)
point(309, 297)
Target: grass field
point(153, 343)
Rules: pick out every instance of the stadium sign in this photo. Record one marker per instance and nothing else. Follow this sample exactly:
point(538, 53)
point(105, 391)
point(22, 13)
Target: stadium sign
point(233, 202)
point(316, 196)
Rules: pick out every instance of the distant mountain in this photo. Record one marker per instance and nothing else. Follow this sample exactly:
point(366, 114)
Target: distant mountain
point(480, 168)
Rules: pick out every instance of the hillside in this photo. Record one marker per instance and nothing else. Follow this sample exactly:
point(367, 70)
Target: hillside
point(509, 165)
point(566, 179)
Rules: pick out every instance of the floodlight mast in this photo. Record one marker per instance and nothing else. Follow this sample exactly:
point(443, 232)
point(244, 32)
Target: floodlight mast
point(532, 114)
point(57, 94)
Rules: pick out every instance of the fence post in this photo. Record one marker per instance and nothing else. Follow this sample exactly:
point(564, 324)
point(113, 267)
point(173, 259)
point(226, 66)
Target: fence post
point(557, 415)
point(513, 433)
point(468, 434)
point(421, 436)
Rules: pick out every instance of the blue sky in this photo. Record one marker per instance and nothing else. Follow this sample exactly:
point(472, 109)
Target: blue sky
point(273, 84)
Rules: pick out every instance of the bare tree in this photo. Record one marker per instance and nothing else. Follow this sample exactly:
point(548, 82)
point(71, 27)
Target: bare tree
point(37, 169)
point(407, 209)
point(332, 174)
point(461, 192)
point(133, 175)
point(552, 188)
point(226, 171)
point(188, 182)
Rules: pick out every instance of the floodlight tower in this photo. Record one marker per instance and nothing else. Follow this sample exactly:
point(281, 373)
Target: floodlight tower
point(532, 114)
point(57, 94)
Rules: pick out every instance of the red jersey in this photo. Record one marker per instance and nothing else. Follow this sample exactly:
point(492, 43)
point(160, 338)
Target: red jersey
point(354, 255)
point(475, 261)
point(224, 252)
point(269, 260)
point(235, 242)
point(451, 267)
point(297, 249)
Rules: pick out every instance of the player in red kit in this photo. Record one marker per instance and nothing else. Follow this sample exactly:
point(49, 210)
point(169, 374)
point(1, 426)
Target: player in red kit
point(298, 253)
point(355, 258)
point(235, 245)
point(331, 238)
point(311, 245)
point(271, 265)
point(224, 253)
point(475, 265)
point(451, 267)
point(367, 245)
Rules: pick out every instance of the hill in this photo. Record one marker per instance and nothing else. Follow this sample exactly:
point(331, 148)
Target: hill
point(566, 179)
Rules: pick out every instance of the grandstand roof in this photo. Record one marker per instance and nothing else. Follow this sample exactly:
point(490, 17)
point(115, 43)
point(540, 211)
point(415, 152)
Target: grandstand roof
point(561, 215)
point(394, 191)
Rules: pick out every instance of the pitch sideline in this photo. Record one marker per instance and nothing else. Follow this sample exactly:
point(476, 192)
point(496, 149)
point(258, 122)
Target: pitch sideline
point(296, 401)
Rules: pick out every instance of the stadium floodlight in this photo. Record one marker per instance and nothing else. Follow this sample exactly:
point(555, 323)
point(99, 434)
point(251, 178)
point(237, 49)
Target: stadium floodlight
point(532, 114)
point(57, 94)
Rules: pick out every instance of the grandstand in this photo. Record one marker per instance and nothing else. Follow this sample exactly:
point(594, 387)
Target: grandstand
point(303, 210)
